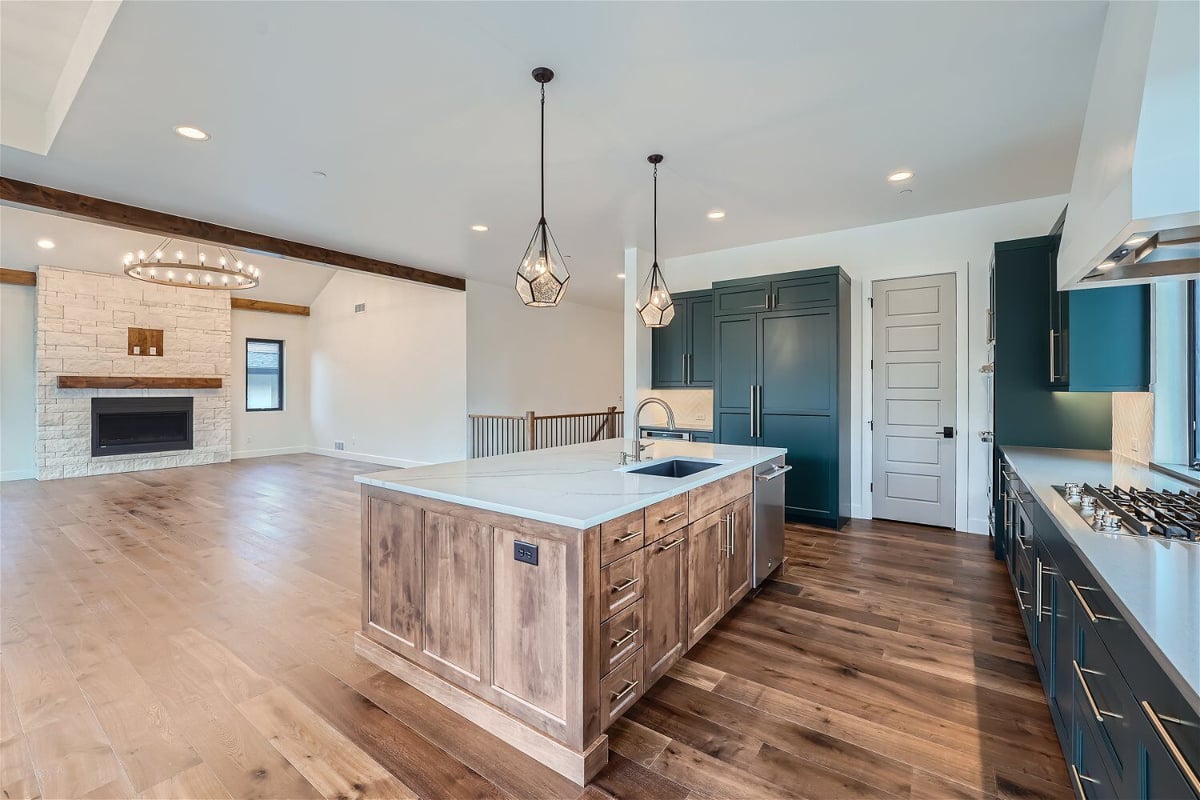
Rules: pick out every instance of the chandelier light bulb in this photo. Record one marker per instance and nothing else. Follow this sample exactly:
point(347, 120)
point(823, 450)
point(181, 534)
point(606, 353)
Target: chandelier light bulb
point(141, 255)
point(170, 275)
point(158, 255)
point(128, 258)
point(201, 257)
point(179, 256)
point(221, 261)
point(153, 273)
point(191, 278)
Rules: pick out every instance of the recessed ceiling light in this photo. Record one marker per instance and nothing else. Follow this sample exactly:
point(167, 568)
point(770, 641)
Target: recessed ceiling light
point(621, 275)
point(900, 175)
point(192, 132)
point(479, 228)
point(716, 213)
point(1134, 241)
point(45, 244)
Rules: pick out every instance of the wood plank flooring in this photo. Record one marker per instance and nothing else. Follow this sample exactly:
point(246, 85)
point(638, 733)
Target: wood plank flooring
point(186, 633)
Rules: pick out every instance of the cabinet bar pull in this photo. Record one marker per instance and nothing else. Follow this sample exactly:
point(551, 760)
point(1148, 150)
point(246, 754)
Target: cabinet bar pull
point(1172, 748)
point(1087, 692)
point(676, 515)
point(629, 634)
point(1020, 602)
point(628, 536)
point(624, 585)
point(1076, 779)
point(629, 687)
point(1079, 596)
point(732, 522)
point(1037, 595)
point(1053, 375)
point(683, 367)
point(675, 543)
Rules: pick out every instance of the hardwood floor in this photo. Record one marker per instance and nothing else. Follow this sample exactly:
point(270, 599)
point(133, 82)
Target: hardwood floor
point(186, 633)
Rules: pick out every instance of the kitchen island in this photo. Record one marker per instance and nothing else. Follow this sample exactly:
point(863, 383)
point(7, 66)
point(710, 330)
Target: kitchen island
point(539, 594)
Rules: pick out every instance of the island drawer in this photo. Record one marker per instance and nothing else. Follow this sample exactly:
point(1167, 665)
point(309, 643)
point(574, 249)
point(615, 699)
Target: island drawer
point(622, 536)
point(620, 689)
point(1105, 697)
point(666, 516)
point(705, 500)
point(619, 636)
point(620, 584)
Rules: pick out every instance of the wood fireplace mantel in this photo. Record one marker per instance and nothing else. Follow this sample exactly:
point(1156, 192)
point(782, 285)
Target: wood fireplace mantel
point(135, 382)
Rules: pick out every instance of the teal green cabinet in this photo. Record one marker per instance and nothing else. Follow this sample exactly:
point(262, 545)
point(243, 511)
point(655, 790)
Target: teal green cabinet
point(781, 380)
point(682, 352)
point(1107, 340)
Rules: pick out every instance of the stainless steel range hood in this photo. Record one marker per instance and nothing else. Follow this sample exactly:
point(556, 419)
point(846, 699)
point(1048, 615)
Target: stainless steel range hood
point(1134, 210)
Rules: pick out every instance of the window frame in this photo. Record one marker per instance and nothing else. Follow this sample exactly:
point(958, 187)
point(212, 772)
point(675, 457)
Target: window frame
point(1192, 344)
point(256, 340)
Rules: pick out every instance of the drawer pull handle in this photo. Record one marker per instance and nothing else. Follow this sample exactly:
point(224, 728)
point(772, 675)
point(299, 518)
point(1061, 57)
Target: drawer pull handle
point(675, 543)
point(1078, 778)
point(629, 634)
point(627, 537)
point(1091, 615)
point(1020, 602)
point(626, 689)
point(1087, 692)
point(625, 585)
point(1172, 748)
point(674, 516)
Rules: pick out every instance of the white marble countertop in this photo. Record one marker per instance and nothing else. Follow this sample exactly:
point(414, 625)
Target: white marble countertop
point(578, 486)
point(1156, 582)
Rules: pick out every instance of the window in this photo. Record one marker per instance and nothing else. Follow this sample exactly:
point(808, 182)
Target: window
point(1193, 360)
point(264, 375)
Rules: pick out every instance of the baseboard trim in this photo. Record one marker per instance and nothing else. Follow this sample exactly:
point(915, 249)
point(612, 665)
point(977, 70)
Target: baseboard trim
point(270, 451)
point(573, 765)
point(18, 474)
point(371, 459)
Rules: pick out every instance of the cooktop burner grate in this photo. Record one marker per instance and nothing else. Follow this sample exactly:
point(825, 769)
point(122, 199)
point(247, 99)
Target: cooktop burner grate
point(1142, 512)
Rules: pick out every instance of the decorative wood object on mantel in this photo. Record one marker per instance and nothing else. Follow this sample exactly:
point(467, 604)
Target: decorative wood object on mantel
point(21, 277)
point(247, 304)
point(135, 382)
point(145, 342)
point(79, 206)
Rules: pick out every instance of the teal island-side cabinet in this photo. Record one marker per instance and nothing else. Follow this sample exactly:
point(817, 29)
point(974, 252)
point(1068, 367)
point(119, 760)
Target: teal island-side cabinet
point(782, 379)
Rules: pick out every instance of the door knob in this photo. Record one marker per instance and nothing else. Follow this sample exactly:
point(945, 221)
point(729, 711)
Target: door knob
point(985, 436)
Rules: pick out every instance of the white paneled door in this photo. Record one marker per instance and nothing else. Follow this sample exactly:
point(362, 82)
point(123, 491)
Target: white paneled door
point(913, 399)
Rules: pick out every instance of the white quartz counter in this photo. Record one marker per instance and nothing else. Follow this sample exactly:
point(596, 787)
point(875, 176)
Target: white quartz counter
point(577, 486)
point(1156, 582)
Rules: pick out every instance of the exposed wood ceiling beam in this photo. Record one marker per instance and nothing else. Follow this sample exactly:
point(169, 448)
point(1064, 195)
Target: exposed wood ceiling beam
point(247, 304)
point(20, 277)
point(95, 209)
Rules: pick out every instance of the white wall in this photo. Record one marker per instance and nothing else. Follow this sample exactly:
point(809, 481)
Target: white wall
point(549, 360)
point(923, 246)
point(18, 381)
point(266, 433)
point(389, 382)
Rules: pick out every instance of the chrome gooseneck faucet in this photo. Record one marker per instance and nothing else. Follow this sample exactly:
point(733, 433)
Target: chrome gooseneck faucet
point(638, 447)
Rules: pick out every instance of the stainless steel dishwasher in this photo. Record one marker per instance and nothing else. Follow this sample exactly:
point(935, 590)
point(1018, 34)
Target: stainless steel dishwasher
point(768, 517)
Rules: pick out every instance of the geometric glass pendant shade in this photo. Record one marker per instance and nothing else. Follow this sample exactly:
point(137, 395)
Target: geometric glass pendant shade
point(654, 304)
point(542, 275)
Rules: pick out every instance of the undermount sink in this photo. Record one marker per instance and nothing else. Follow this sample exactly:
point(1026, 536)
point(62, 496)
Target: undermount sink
point(673, 468)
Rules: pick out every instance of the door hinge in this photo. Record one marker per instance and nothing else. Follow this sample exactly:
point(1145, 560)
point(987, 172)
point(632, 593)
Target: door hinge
point(871, 422)
point(871, 300)
point(872, 486)
point(872, 363)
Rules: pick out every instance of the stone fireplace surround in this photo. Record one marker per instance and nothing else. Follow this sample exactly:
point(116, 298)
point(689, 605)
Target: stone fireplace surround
point(82, 329)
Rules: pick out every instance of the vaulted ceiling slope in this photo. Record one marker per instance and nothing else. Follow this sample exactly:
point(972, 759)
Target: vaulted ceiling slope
point(423, 118)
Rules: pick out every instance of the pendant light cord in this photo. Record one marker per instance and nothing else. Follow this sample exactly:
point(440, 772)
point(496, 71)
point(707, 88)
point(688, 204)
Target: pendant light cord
point(656, 213)
point(542, 154)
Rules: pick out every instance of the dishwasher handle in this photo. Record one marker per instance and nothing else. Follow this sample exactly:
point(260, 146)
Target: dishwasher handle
point(773, 474)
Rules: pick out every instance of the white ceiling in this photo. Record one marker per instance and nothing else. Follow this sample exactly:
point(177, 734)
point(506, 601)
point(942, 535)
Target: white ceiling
point(100, 248)
point(424, 116)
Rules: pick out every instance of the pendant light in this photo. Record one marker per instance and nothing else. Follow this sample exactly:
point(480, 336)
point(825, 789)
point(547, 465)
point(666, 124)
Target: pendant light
point(542, 277)
point(654, 303)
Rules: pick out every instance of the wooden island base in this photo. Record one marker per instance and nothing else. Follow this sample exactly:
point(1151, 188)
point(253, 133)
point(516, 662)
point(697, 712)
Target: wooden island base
point(542, 634)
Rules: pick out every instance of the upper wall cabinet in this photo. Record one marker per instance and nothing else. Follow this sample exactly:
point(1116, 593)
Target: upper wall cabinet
point(682, 352)
point(813, 291)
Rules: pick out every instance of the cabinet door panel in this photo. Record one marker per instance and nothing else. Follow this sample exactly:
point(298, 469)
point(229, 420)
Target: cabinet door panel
point(799, 361)
point(705, 574)
point(458, 599)
point(737, 299)
point(699, 321)
point(664, 604)
point(396, 584)
point(736, 348)
point(739, 560)
point(804, 292)
point(811, 443)
point(668, 351)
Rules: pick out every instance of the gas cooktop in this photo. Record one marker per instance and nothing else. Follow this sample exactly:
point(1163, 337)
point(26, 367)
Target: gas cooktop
point(1165, 514)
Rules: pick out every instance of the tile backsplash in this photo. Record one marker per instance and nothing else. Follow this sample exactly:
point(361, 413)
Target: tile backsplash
point(692, 407)
point(1133, 425)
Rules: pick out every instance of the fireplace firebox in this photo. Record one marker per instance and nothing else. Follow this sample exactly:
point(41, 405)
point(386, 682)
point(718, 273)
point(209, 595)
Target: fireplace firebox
point(125, 425)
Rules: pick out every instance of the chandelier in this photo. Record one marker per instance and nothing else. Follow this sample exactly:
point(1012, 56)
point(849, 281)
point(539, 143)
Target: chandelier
point(186, 264)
